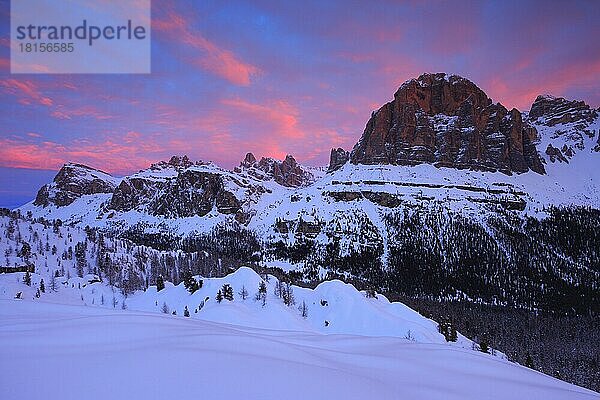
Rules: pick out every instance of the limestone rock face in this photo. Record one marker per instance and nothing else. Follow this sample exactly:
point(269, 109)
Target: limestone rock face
point(448, 121)
point(286, 173)
point(174, 189)
point(569, 127)
point(73, 181)
point(194, 193)
point(249, 160)
point(337, 159)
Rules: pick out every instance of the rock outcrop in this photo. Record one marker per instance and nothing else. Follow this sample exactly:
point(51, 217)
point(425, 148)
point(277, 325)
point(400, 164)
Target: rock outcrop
point(173, 189)
point(337, 159)
point(448, 121)
point(73, 181)
point(286, 173)
point(568, 127)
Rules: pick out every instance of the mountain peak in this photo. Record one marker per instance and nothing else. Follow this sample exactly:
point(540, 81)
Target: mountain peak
point(566, 127)
point(286, 173)
point(248, 161)
point(337, 159)
point(447, 121)
point(72, 181)
point(177, 162)
point(556, 110)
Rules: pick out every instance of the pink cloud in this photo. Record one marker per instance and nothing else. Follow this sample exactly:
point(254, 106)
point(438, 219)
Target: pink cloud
point(212, 58)
point(114, 156)
point(83, 111)
point(27, 92)
point(522, 93)
point(279, 114)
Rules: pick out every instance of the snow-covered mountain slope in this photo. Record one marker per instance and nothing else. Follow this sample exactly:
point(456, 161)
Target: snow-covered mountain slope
point(178, 195)
point(182, 197)
point(487, 188)
point(353, 202)
point(569, 133)
point(335, 312)
point(73, 352)
point(565, 128)
point(451, 145)
point(333, 307)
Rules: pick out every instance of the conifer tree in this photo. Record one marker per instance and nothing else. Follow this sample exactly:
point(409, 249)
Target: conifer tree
point(219, 297)
point(303, 309)
point(80, 258)
point(186, 312)
point(25, 252)
point(53, 281)
point(529, 361)
point(227, 292)
point(191, 284)
point(27, 278)
point(160, 283)
point(243, 293)
point(278, 291)
point(484, 347)
point(262, 293)
point(288, 295)
point(42, 286)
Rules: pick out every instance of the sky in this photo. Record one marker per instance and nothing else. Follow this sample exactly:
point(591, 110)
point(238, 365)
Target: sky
point(279, 77)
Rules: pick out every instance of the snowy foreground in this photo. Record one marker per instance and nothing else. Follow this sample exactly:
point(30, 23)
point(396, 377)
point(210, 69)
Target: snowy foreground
point(58, 351)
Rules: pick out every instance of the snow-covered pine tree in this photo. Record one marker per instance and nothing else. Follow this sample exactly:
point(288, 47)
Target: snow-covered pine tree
point(53, 281)
point(27, 278)
point(278, 291)
point(261, 295)
point(80, 258)
point(190, 283)
point(288, 295)
point(227, 292)
point(25, 252)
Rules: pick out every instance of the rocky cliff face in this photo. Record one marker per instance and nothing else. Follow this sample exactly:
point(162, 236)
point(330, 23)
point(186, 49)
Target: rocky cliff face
point(178, 188)
point(448, 121)
point(72, 182)
point(286, 173)
point(567, 127)
point(337, 159)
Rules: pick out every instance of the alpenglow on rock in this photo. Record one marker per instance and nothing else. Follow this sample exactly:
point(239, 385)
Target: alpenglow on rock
point(446, 120)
